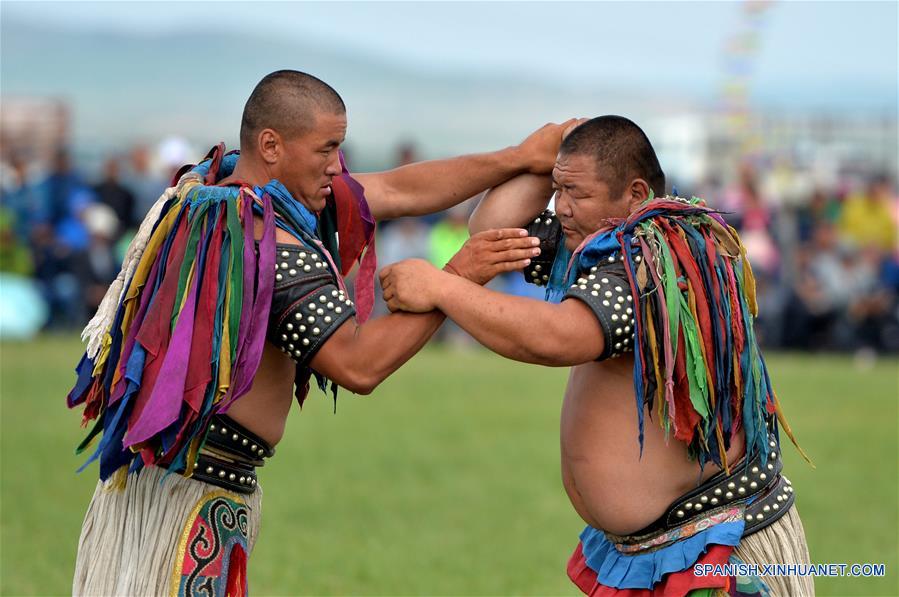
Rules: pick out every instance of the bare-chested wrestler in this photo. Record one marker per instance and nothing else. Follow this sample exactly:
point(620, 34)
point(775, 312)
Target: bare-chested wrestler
point(650, 302)
point(231, 295)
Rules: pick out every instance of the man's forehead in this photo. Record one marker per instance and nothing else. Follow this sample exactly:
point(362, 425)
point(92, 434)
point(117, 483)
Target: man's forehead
point(332, 118)
point(326, 123)
point(574, 165)
point(323, 131)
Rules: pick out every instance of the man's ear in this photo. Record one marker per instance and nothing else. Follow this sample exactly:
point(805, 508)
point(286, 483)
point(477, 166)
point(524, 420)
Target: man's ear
point(269, 146)
point(638, 192)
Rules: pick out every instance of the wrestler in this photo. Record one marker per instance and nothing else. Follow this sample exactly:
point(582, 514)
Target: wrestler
point(650, 302)
point(231, 296)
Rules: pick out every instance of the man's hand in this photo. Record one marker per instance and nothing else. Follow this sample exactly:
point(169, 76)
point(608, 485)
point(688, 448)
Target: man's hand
point(411, 286)
point(542, 146)
point(492, 252)
point(575, 122)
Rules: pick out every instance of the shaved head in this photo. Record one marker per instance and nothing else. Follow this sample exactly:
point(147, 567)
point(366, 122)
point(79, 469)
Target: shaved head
point(287, 101)
point(621, 150)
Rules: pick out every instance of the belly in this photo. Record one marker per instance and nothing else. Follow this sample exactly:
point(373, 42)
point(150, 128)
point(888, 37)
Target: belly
point(264, 409)
point(609, 483)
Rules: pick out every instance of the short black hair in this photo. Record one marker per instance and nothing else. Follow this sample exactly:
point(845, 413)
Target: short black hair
point(286, 101)
point(622, 152)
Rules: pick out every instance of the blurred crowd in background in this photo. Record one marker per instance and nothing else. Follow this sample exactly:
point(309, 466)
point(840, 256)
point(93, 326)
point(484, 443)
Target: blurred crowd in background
point(825, 256)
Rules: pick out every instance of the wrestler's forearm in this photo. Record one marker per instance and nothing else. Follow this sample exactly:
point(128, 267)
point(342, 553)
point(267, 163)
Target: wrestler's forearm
point(386, 343)
point(519, 328)
point(513, 203)
point(361, 357)
point(428, 187)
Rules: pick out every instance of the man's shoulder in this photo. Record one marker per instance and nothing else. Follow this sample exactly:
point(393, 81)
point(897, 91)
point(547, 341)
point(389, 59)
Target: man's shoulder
point(296, 263)
point(282, 236)
point(610, 265)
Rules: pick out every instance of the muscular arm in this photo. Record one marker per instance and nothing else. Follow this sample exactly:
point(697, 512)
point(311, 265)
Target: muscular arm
point(429, 187)
point(359, 358)
point(513, 203)
point(517, 328)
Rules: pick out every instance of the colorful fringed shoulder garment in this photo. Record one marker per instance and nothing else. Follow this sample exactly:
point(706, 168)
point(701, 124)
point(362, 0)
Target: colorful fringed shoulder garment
point(672, 285)
point(686, 305)
point(179, 335)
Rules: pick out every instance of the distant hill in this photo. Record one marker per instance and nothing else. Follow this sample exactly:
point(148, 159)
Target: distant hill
point(127, 88)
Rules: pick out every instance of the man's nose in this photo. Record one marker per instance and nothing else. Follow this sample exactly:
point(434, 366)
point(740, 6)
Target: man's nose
point(563, 206)
point(333, 168)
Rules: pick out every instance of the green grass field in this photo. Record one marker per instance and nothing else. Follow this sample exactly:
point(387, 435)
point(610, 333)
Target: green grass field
point(445, 481)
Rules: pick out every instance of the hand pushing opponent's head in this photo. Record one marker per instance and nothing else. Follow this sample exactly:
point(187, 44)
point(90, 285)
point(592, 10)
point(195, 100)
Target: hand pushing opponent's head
point(292, 127)
point(606, 167)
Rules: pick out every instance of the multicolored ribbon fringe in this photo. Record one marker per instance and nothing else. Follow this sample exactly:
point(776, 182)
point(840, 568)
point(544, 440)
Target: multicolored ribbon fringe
point(697, 364)
point(186, 334)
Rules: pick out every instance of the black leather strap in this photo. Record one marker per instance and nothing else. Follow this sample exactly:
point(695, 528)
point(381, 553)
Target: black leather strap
point(228, 435)
point(547, 228)
point(769, 506)
point(752, 483)
point(230, 455)
point(233, 476)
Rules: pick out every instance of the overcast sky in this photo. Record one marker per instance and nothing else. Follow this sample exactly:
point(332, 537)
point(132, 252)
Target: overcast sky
point(802, 47)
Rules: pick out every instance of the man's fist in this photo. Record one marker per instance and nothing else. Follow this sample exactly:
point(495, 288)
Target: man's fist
point(575, 122)
point(410, 285)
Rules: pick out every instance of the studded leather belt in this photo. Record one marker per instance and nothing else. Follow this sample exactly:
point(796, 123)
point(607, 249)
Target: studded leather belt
point(760, 487)
point(230, 456)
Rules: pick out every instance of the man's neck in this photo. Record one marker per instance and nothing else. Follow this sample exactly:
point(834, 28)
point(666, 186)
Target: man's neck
point(251, 173)
point(248, 172)
point(254, 174)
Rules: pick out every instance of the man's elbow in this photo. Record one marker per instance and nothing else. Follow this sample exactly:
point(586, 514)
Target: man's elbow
point(557, 348)
point(360, 382)
point(552, 356)
point(534, 351)
point(475, 224)
point(364, 377)
point(362, 389)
